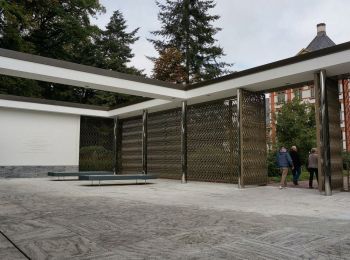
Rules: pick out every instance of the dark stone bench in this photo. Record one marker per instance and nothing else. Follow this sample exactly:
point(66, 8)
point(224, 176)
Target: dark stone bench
point(117, 177)
point(77, 174)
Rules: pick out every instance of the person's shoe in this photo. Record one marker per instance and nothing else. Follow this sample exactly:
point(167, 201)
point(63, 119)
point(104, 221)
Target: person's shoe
point(281, 187)
point(295, 182)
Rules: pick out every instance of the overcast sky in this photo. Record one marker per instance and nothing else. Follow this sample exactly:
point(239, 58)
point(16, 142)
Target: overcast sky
point(254, 32)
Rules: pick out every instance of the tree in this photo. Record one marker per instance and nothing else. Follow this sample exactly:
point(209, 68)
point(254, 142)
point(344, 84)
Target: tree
point(296, 125)
point(115, 45)
point(62, 30)
point(168, 67)
point(187, 27)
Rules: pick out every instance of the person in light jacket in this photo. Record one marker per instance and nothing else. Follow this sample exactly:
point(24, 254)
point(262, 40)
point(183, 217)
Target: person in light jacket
point(312, 166)
point(284, 161)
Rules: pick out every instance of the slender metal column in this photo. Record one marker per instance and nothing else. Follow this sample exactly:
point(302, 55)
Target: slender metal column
point(144, 141)
point(115, 145)
point(184, 142)
point(231, 139)
point(240, 143)
point(324, 134)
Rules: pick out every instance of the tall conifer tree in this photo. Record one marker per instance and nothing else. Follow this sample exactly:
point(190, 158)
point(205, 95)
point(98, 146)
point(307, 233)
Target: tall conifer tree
point(115, 45)
point(187, 26)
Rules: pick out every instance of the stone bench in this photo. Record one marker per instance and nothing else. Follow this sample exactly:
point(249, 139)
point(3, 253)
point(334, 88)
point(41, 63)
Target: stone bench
point(117, 177)
point(77, 174)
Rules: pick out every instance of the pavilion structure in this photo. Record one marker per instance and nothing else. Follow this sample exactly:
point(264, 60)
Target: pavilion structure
point(213, 130)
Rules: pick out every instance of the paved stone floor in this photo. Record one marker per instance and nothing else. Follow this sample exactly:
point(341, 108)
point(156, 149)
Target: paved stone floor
point(49, 219)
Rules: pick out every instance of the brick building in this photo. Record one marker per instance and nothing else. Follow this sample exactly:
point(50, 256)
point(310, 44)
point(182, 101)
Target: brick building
point(307, 93)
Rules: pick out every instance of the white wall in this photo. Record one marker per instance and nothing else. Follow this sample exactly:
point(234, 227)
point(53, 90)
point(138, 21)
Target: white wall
point(38, 138)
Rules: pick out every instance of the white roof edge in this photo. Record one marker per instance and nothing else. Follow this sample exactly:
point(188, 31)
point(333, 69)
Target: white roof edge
point(137, 109)
point(43, 72)
point(127, 111)
point(52, 108)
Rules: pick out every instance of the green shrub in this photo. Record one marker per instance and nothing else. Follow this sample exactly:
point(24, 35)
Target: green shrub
point(272, 163)
point(95, 158)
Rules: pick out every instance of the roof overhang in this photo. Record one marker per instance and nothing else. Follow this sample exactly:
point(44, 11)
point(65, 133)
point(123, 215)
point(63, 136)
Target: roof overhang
point(335, 60)
point(29, 66)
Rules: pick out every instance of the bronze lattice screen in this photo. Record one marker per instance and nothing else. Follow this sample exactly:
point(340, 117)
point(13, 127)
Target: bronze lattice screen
point(213, 147)
point(335, 134)
point(213, 141)
point(164, 144)
point(253, 138)
point(131, 145)
point(96, 144)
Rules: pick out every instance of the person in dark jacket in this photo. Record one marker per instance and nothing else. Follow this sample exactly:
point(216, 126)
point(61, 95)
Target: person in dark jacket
point(284, 161)
point(296, 163)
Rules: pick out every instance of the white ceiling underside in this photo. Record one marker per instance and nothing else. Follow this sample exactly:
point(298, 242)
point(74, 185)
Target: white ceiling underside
point(165, 98)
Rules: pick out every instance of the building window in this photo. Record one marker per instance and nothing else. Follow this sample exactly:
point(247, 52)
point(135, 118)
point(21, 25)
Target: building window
point(281, 97)
point(340, 87)
point(312, 92)
point(298, 93)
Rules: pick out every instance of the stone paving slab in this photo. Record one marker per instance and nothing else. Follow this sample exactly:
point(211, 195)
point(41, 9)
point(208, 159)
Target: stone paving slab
point(8, 251)
point(169, 220)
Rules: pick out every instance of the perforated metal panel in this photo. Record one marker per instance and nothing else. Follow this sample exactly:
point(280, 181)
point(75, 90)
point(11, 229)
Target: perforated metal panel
point(335, 135)
point(213, 141)
point(131, 145)
point(96, 144)
point(253, 138)
point(164, 144)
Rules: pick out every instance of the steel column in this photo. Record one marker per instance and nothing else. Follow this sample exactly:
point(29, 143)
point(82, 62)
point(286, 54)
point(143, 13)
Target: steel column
point(239, 126)
point(346, 103)
point(324, 133)
point(184, 141)
point(115, 146)
point(231, 138)
point(144, 141)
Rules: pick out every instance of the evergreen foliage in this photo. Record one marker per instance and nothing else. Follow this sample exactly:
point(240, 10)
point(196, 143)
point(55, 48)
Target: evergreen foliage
point(187, 26)
point(62, 30)
point(114, 45)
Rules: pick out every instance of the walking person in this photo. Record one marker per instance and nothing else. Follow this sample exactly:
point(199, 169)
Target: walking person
point(312, 166)
point(284, 161)
point(296, 163)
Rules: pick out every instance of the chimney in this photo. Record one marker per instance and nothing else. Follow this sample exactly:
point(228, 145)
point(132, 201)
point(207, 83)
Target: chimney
point(321, 29)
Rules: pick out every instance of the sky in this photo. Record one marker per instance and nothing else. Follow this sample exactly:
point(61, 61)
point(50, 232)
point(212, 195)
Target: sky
point(254, 32)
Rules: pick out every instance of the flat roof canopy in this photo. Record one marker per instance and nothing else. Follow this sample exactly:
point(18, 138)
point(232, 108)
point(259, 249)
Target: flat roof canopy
point(335, 60)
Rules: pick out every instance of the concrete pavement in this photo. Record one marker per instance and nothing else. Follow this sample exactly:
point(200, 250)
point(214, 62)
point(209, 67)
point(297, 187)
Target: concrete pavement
point(50, 219)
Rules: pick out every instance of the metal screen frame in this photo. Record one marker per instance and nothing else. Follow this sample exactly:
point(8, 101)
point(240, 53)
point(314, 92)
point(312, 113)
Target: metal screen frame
point(329, 137)
point(131, 145)
point(335, 134)
point(223, 137)
point(164, 144)
point(253, 143)
point(212, 141)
